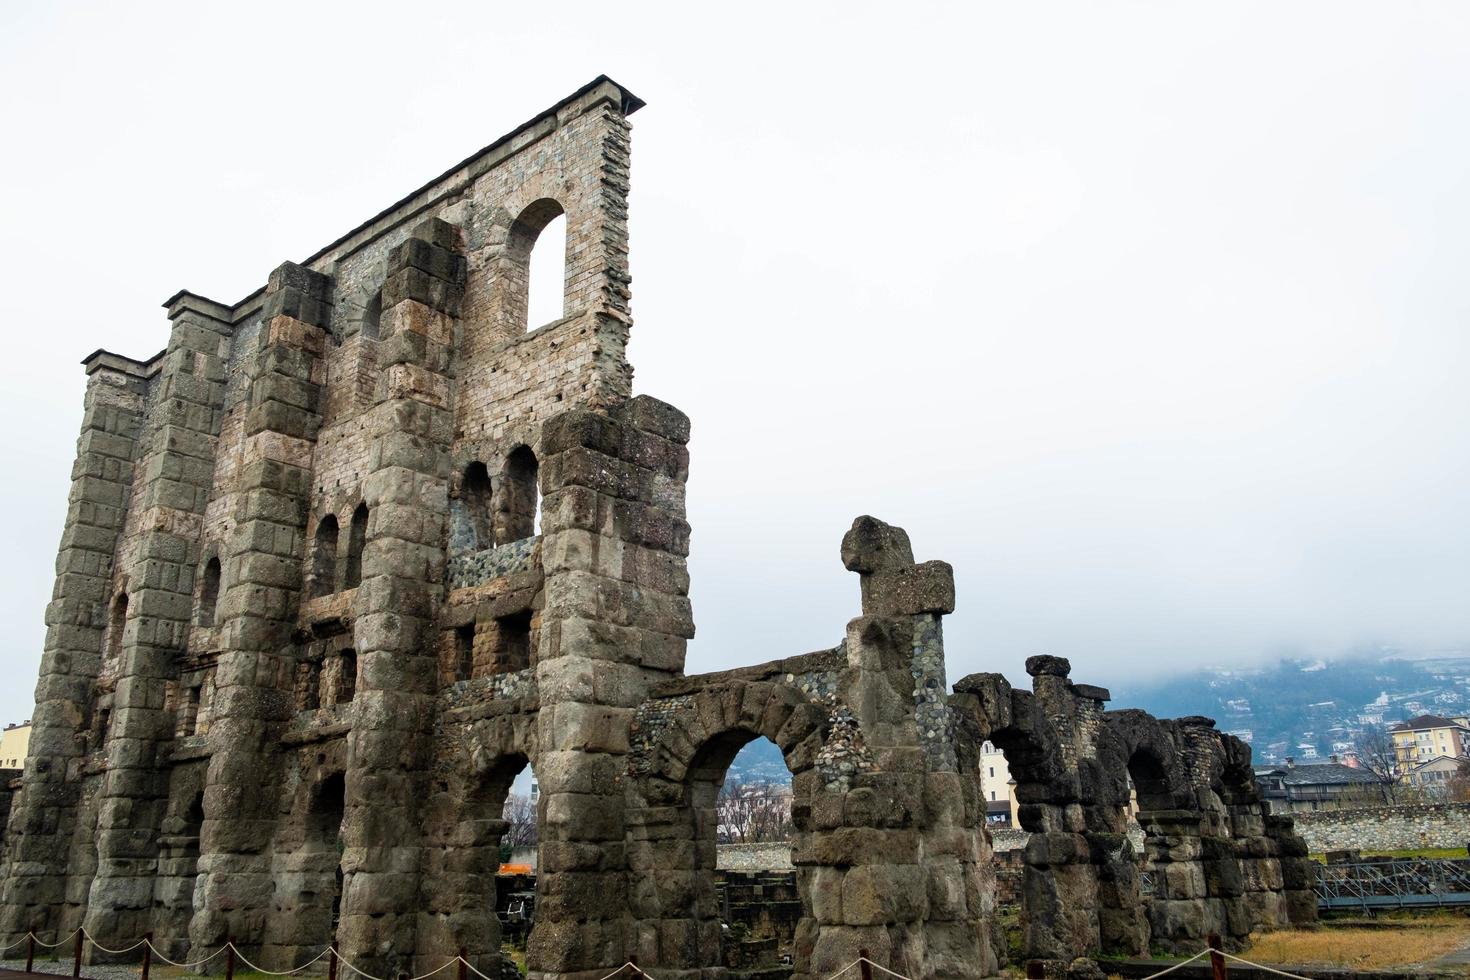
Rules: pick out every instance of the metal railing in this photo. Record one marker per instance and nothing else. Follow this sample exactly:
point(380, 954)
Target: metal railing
point(1396, 883)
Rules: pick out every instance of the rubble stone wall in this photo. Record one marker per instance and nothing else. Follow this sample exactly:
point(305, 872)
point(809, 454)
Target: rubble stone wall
point(1390, 828)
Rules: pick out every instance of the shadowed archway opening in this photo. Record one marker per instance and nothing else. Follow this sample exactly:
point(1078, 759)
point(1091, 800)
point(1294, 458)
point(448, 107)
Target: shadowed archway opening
point(480, 888)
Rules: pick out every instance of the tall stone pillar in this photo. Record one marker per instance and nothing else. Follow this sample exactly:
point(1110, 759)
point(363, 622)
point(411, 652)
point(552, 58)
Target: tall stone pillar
point(616, 620)
point(174, 477)
point(259, 600)
point(44, 817)
point(895, 850)
point(407, 494)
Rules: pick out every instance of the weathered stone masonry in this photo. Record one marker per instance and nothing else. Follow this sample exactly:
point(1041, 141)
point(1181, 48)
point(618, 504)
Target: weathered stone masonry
point(349, 554)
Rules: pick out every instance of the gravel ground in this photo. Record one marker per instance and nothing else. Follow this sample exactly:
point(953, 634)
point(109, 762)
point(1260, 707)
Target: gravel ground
point(62, 967)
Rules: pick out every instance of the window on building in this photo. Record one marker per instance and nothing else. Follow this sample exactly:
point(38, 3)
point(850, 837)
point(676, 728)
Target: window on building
point(356, 542)
point(476, 497)
point(208, 593)
point(324, 557)
point(517, 497)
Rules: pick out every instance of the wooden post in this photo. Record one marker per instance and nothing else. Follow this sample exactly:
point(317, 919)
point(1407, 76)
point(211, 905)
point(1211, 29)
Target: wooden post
point(230, 959)
point(464, 965)
point(864, 967)
point(1035, 970)
point(331, 963)
point(147, 954)
point(1217, 962)
point(30, 951)
point(76, 960)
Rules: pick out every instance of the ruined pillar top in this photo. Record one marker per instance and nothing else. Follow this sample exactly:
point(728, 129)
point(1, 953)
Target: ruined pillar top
point(1045, 665)
point(892, 584)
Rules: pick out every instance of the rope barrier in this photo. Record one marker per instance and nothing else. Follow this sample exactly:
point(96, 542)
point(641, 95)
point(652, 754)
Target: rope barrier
point(56, 945)
point(1181, 963)
point(273, 973)
point(864, 959)
point(472, 969)
point(422, 976)
point(113, 952)
point(1259, 966)
point(626, 966)
point(185, 966)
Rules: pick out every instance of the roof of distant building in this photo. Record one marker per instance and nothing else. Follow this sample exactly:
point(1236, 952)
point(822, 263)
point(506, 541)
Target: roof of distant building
point(1424, 723)
point(1319, 774)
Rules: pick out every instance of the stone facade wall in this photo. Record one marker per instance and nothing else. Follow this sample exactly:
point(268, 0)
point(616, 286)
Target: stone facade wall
point(350, 554)
point(1390, 828)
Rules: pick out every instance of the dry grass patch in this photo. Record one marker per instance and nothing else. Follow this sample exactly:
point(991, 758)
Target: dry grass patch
point(1363, 949)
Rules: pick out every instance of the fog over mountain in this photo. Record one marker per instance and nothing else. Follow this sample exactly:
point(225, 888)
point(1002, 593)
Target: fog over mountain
point(1151, 319)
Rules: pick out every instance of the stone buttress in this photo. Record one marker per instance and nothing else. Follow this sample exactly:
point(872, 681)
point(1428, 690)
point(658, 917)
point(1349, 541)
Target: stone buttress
point(44, 888)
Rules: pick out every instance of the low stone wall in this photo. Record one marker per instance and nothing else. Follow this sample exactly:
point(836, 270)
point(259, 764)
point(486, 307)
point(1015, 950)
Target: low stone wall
point(753, 857)
point(1388, 828)
point(1009, 839)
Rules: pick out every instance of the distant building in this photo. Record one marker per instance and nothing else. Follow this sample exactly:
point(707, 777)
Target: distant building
point(999, 790)
point(1434, 775)
point(15, 741)
point(1427, 737)
point(1321, 786)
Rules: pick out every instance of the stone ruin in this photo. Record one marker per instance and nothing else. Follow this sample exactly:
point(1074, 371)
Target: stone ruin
point(306, 631)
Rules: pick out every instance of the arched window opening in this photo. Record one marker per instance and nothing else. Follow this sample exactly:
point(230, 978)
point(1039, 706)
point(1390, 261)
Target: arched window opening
point(739, 791)
point(517, 498)
point(546, 299)
point(324, 557)
point(1150, 782)
point(753, 804)
point(178, 866)
point(117, 624)
point(356, 541)
point(208, 593)
point(491, 820)
point(476, 497)
point(526, 233)
point(320, 860)
point(372, 315)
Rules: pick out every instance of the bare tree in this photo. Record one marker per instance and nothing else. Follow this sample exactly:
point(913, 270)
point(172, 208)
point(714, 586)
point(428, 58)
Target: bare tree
point(1457, 789)
point(1376, 754)
point(752, 812)
point(520, 814)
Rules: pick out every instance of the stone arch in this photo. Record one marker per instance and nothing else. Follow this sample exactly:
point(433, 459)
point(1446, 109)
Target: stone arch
point(209, 588)
point(357, 530)
point(517, 497)
point(324, 556)
point(463, 829)
point(307, 859)
point(672, 827)
point(512, 286)
point(475, 501)
point(117, 624)
point(178, 860)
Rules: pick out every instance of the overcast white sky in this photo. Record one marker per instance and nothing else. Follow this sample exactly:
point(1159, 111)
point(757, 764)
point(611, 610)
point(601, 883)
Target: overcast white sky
point(1151, 318)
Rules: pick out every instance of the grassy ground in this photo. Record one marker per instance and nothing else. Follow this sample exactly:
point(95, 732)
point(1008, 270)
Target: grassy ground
point(1418, 941)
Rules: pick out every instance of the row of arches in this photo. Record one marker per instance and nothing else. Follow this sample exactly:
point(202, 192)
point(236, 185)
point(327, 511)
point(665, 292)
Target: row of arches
point(500, 508)
point(328, 576)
